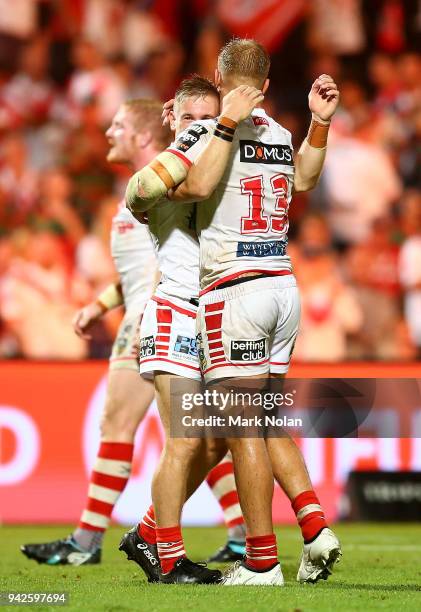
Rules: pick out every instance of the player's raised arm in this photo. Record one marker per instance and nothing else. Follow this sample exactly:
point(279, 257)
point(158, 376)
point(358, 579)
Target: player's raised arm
point(209, 167)
point(323, 100)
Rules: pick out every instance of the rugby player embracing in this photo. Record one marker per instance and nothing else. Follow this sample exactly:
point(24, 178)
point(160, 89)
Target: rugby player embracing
point(243, 171)
point(168, 349)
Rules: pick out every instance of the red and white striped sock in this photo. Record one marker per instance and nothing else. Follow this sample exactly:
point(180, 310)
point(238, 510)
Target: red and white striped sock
point(222, 482)
point(261, 552)
point(147, 527)
point(309, 514)
point(170, 546)
point(109, 477)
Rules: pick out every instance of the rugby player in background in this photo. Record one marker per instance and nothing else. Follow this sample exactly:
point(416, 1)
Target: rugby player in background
point(247, 207)
point(136, 136)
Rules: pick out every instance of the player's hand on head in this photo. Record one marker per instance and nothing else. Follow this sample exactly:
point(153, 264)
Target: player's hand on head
point(323, 98)
point(166, 110)
point(84, 318)
point(239, 102)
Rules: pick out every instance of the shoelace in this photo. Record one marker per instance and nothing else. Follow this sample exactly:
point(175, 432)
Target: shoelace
point(192, 565)
point(231, 572)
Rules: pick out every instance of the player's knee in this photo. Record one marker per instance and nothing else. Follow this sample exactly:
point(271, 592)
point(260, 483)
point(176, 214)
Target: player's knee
point(183, 448)
point(215, 450)
point(117, 419)
point(236, 445)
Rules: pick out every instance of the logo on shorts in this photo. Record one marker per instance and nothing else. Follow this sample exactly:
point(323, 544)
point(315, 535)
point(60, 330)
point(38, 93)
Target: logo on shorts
point(201, 353)
point(147, 347)
point(255, 152)
point(248, 350)
point(185, 345)
point(189, 137)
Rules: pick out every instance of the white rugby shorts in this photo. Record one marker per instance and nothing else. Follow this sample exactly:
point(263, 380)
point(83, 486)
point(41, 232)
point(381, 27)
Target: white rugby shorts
point(168, 338)
point(248, 329)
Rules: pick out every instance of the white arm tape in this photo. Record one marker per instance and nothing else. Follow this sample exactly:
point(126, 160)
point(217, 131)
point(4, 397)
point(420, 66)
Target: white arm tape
point(150, 184)
point(110, 298)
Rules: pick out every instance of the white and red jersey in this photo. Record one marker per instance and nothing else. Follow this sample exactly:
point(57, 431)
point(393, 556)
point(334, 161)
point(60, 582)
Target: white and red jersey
point(243, 226)
point(134, 258)
point(173, 229)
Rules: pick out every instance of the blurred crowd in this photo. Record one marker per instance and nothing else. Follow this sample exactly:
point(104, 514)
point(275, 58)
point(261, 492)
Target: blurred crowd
point(355, 241)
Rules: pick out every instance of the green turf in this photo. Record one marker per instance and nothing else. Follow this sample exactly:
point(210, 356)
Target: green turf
point(380, 570)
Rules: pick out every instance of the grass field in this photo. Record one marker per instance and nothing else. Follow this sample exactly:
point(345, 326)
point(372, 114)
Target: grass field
point(380, 570)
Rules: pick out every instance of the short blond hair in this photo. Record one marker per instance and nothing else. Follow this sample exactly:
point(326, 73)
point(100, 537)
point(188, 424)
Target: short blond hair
point(244, 58)
point(147, 114)
point(195, 86)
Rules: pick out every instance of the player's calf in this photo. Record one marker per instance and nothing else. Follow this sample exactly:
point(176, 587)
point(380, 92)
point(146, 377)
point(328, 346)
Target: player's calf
point(222, 482)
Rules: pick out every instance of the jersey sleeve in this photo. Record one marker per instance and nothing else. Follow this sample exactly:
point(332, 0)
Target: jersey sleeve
point(190, 143)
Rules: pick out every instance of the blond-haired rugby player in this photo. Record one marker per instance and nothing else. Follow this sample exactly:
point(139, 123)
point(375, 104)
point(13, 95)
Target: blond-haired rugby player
point(244, 173)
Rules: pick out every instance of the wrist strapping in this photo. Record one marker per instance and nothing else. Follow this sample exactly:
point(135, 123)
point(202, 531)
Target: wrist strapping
point(110, 298)
point(225, 129)
point(317, 133)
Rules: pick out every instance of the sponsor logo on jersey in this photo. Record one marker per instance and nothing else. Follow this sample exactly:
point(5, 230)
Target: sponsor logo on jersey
point(260, 121)
point(185, 345)
point(147, 347)
point(254, 152)
point(190, 137)
point(248, 350)
point(268, 248)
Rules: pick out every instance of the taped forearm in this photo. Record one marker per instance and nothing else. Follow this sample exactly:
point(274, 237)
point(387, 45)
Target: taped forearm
point(311, 156)
point(110, 298)
point(150, 184)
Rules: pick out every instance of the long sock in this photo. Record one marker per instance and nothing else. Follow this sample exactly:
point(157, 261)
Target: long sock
point(170, 547)
point(261, 552)
point(108, 479)
point(222, 482)
point(147, 527)
point(309, 514)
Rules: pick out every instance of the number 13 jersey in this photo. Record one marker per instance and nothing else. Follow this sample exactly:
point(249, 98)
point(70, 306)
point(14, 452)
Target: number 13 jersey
point(243, 226)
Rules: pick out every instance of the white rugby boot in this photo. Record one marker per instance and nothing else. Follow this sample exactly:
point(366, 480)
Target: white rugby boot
point(240, 574)
point(319, 557)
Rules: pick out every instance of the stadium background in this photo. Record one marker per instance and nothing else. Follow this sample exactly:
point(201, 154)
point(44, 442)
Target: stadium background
point(355, 241)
